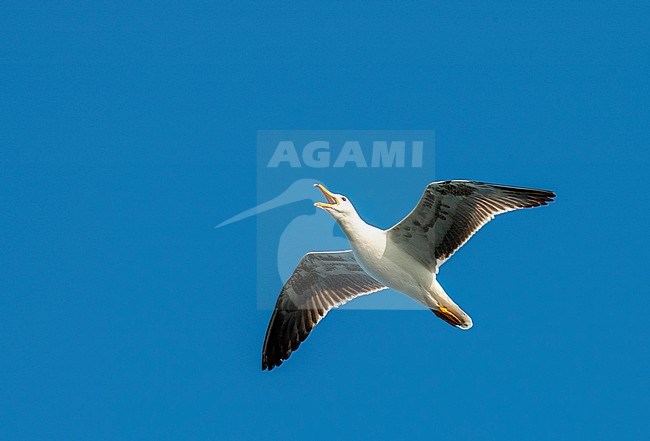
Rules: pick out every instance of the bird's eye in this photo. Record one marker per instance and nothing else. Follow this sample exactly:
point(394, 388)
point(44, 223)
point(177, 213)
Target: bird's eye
point(343, 199)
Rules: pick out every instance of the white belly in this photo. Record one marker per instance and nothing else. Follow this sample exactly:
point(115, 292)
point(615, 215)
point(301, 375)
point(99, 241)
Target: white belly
point(392, 266)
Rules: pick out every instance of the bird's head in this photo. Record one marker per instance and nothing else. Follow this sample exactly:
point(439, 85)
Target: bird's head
point(337, 205)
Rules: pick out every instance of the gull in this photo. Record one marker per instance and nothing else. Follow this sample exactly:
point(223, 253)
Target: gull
point(405, 258)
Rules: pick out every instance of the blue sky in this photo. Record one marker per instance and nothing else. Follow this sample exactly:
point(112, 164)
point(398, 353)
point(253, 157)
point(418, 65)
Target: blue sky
point(128, 132)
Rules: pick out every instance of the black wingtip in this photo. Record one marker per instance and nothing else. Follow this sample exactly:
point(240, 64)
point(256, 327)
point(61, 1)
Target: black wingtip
point(535, 196)
point(543, 197)
point(269, 366)
point(548, 195)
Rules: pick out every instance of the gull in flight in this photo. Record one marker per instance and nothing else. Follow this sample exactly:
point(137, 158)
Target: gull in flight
point(405, 258)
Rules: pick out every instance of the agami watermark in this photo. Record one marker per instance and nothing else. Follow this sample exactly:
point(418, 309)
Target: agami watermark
point(318, 154)
point(289, 163)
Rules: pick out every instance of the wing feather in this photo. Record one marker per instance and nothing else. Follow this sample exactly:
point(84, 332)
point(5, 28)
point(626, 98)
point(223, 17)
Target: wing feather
point(450, 212)
point(320, 282)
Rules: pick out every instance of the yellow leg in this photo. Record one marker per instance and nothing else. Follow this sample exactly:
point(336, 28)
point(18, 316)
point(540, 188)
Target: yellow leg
point(447, 316)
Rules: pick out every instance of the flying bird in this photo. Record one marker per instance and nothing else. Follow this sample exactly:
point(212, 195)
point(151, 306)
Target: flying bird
point(406, 258)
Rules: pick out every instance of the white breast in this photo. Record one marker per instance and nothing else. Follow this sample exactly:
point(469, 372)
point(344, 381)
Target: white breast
point(390, 264)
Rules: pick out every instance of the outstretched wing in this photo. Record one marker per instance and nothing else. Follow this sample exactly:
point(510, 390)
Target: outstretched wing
point(450, 212)
point(321, 281)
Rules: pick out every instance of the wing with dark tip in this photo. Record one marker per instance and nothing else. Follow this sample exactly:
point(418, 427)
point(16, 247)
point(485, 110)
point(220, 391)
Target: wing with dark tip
point(321, 281)
point(450, 212)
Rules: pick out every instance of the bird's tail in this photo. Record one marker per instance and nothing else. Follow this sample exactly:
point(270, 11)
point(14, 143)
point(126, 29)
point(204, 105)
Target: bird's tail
point(445, 308)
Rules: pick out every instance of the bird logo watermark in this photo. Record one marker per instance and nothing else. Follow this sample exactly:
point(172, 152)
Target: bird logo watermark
point(287, 225)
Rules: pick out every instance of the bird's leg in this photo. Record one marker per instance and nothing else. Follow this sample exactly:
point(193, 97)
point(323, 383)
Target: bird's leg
point(447, 316)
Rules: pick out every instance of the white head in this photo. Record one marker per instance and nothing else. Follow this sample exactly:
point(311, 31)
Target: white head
point(337, 205)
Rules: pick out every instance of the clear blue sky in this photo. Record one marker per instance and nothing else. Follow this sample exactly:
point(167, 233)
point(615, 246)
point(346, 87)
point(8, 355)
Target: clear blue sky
point(128, 132)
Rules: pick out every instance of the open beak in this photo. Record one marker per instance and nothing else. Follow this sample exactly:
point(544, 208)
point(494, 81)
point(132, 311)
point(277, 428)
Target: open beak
point(331, 199)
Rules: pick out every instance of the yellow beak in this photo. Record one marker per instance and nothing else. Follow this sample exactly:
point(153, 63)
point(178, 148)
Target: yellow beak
point(331, 199)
